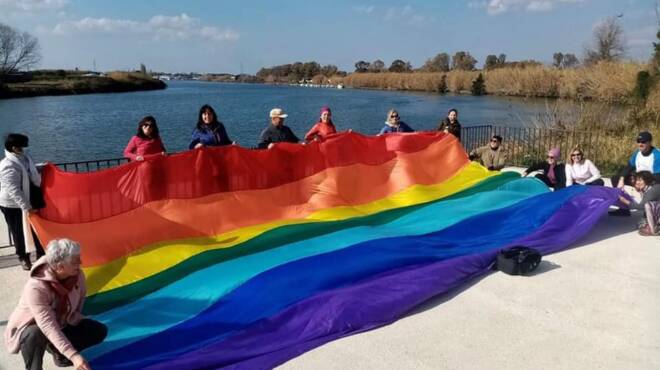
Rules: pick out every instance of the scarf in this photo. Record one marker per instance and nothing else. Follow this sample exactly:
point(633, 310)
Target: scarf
point(27, 175)
point(551, 174)
point(62, 290)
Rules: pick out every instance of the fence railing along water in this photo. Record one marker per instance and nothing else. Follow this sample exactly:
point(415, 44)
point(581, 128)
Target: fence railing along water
point(525, 145)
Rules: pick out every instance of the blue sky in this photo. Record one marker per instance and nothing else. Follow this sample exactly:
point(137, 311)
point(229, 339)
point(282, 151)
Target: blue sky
point(225, 35)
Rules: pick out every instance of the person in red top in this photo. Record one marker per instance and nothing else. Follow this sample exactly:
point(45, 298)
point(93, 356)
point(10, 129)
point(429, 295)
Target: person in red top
point(146, 141)
point(322, 128)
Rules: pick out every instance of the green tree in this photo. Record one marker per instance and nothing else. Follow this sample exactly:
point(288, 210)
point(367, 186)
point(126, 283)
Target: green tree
point(479, 85)
point(491, 62)
point(361, 66)
point(558, 60)
point(463, 60)
point(377, 66)
point(570, 61)
point(400, 66)
point(439, 63)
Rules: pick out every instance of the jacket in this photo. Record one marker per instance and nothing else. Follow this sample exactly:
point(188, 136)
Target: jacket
point(138, 146)
point(320, 130)
point(638, 160)
point(215, 135)
point(12, 194)
point(38, 304)
point(452, 128)
point(276, 134)
point(560, 172)
point(402, 127)
point(489, 158)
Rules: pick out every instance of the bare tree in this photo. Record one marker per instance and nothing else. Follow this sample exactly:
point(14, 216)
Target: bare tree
point(608, 44)
point(17, 50)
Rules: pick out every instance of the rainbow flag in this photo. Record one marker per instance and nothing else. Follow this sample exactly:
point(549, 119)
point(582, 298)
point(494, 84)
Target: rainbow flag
point(229, 257)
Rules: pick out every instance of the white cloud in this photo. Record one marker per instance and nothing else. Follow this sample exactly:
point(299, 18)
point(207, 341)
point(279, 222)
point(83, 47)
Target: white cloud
point(159, 27)
point(364, 9)
point(407, 14)
point(495, 7)
point(32, 5)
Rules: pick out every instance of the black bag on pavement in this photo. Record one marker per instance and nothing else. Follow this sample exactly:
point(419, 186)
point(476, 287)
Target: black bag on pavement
point(518, 260)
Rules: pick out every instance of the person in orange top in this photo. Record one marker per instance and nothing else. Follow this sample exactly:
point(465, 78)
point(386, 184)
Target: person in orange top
point(322, 128)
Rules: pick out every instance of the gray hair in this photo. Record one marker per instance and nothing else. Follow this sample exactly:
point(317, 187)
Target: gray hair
point(61, 251)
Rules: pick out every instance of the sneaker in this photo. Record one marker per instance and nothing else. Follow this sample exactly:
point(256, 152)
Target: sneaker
point(620, 212)
point(59, 359)
point(26, 264)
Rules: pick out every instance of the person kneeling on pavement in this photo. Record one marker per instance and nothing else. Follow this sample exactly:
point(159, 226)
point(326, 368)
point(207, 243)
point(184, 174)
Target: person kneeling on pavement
point(645, 158)
point(49, 313)
point(491, 156)
point(650, 203)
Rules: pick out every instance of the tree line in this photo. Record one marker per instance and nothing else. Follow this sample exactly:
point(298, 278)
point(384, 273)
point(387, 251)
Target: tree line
point(298, 71)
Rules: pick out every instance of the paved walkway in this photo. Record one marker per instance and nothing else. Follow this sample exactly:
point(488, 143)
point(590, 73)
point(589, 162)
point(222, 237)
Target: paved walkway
point(591, 307)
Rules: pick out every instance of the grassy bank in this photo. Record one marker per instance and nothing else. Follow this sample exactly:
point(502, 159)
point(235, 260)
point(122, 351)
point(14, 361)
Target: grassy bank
point(610, 82)
point(71, 83)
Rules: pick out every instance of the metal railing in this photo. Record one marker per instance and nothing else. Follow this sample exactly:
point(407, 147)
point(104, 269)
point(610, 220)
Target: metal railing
point(93, 165)
point(527, 145)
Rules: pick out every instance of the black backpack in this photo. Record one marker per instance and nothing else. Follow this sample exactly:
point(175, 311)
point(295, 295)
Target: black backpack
point(518, 260)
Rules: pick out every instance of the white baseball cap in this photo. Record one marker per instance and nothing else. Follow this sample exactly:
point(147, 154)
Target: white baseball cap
point(278, 112)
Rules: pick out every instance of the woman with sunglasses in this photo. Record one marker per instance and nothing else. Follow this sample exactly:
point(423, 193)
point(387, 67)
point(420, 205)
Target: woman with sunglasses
point(146, 142)
point(582, 171)
point(554, 172)
point(394, 124)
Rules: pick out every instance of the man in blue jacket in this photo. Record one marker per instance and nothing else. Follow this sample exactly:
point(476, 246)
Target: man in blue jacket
point(646, 158)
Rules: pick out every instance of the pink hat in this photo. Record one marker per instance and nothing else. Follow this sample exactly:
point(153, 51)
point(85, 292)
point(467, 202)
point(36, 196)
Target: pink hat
point(555, 153)
point(324, 109)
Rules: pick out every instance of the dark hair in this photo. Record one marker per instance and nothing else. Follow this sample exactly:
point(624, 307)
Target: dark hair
point(15, 140)
point(452, 110)
point(200, 123)
point(155, 134)
point(645, 176)
point(498, 138)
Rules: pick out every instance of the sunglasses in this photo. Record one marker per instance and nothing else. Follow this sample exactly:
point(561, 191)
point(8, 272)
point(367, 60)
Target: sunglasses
point(394, 116)
point(576, 155)
point(641, 142)
point(550, 157)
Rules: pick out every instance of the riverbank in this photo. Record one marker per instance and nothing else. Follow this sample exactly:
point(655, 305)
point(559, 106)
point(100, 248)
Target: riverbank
point(77, 83)
point(607, 82)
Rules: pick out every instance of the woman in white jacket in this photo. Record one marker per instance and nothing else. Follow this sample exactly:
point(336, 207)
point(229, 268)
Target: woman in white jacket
point(582, 171)
point(17, 171)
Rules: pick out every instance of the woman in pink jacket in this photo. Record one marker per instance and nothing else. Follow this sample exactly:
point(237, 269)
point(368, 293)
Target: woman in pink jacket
point(146, 141)
point(49, 313)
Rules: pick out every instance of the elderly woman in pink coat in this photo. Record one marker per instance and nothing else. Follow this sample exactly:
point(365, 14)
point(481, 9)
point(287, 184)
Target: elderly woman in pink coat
point(49, 313)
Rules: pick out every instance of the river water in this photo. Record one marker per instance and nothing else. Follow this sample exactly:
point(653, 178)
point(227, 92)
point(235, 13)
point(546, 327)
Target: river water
point(95, 126)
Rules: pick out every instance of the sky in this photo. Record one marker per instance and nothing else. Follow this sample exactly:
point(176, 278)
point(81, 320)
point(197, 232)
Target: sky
point(227, 36)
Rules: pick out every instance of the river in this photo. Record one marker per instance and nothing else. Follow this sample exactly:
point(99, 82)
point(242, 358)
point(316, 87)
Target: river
point(95, 126)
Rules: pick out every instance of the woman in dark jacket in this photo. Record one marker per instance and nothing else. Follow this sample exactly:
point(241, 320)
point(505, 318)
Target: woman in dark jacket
point(554, 173)
point(209, 131)
point(450, 124)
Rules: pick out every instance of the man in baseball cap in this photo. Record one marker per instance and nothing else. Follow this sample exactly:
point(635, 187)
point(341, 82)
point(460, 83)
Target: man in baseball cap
point(645, 158)
point(276, 132)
